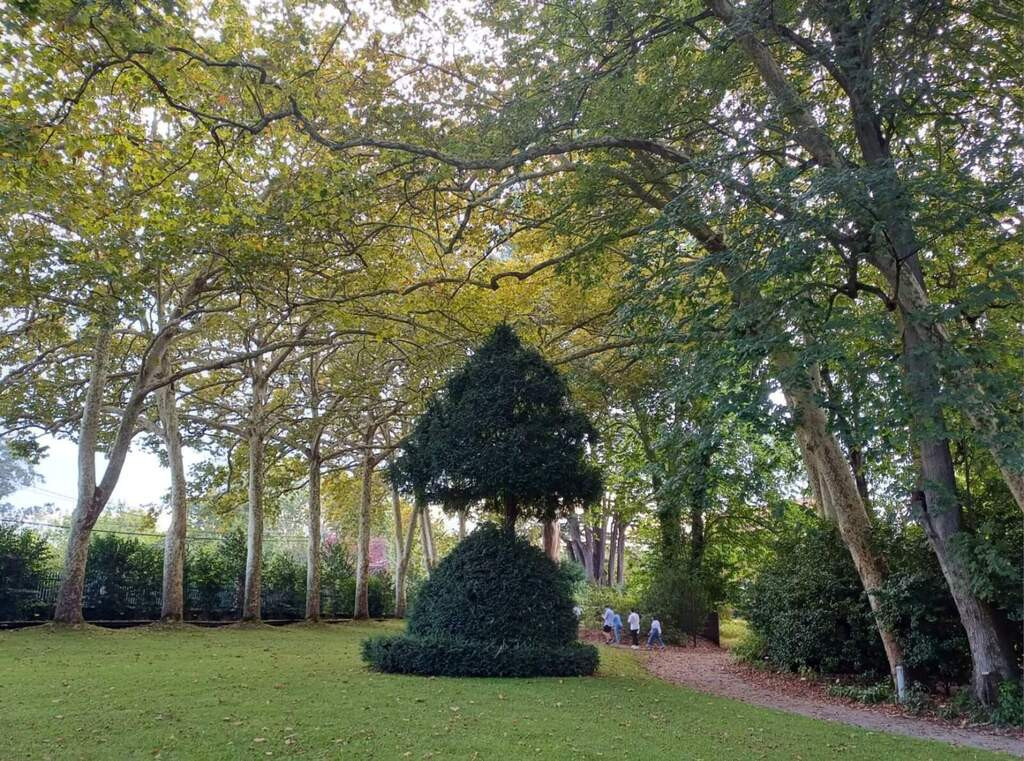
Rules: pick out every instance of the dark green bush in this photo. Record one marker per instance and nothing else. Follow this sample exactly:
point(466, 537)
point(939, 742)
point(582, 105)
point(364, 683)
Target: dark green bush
point(917, 604)
point(123, 578)
point(207, 578)
point(808, 609)
point(496, 587)
point(23, 558)
point(439, 656)
point(495, 606)
point(679, 599)
point(284, 587)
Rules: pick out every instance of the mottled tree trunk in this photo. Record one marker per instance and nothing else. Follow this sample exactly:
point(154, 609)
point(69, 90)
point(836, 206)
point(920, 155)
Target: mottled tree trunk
point(895, 255)
point(313, 559)
point(313, 527)
point(551, 538)
point(620, 553)
point(403, 562)
point(251, 596)
point(362, 602)
point(462, 525)
point(90, 500)
point(172, 606)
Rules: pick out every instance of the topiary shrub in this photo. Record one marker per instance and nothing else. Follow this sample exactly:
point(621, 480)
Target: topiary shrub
point(495, 606)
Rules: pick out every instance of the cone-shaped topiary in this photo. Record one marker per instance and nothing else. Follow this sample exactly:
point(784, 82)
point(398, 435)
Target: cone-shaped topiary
point(495, 606)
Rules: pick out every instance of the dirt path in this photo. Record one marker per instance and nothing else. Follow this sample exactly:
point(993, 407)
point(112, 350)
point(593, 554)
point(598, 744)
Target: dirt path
point(711, 669)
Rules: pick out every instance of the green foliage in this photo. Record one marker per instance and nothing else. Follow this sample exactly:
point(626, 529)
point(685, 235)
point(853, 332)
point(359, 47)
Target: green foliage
point(498, 601)
point(123, 578)
point(23, 558)
point(679, 599)
point(443, 656)
point(1007, 712)
point(496, 587)
point(284, 587)
point(808, 608)
point(916, 604)
point(205, 572)
point(871, 694)
point(502, 432)
point(594, 599)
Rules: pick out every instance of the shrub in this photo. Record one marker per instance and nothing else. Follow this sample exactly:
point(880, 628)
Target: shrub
point(495, 606)
point(23, 558)
point(871, 694)
point(496, 587)
point(458, 657)
point(206, 575)
point(123, 578)
point(284, 587)
point(680, 600)
point(808, 607)
point(594, 598)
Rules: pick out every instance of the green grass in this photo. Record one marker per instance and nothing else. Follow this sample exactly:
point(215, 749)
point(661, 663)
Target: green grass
point(731, 631)
point(302, 692)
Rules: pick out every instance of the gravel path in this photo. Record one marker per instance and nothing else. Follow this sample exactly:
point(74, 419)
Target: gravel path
point(711, 669)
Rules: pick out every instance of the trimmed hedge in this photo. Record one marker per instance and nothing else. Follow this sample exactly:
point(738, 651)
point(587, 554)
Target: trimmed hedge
point(495, 586)
point(457, 657)
point(495, 606)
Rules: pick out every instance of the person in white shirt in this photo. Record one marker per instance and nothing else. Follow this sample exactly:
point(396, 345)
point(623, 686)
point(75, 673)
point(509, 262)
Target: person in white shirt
point(655, 636)
point(634, 627)
point(609, 618)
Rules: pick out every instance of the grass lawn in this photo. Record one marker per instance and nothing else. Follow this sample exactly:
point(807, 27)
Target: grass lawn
point(731, 631)
point(303, 692)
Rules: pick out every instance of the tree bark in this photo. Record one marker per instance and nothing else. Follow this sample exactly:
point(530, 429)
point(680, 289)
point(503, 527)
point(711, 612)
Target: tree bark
point(313, 559)
point(620, 552)
point(313, 514)
point(361, 608)
point(90, 501)
point(251, 597)
point(462, 525)
point(584, 551)
point(403, 563)
point(172, 607)
point(896, 258)
point(551, 539)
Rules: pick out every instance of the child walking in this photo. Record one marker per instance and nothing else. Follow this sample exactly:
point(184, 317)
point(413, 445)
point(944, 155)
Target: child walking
point(617, 627)
point(634, 627)
point(655, 636)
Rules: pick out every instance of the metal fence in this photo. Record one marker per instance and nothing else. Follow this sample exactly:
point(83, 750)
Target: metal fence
point(111, 601)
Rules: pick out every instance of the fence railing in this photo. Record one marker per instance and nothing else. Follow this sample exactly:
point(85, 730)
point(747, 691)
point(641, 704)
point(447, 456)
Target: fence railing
point(118, 601)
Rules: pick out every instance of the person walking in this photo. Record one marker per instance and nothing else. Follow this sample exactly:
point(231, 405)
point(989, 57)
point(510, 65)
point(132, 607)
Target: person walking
point(617, 627)
point(634, 627)
point(609, 619)
point(655, 635)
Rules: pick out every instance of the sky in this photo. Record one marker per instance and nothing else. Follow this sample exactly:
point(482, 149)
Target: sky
point(144, 481)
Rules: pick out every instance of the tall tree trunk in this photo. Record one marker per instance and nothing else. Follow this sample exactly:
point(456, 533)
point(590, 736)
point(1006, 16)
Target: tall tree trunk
point(362, 602)
point(313, 511)
point(583, 550)
point(251, 597)
point(897, 259)
point(462, 525)
point(839, 494)
point(172, 607)
point(313, 558)
point(610, 552)
point(698, 509)
point(551, 538)
point(403, 562)
point(90, 501)
point(620, 552)
point(425, 539)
